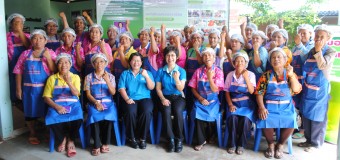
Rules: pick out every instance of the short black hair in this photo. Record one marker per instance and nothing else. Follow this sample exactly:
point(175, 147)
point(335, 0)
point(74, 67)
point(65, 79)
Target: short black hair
point(170, 48)
point(136, 54)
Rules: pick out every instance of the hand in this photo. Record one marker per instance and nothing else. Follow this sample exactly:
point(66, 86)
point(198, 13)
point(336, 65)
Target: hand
point(99, 106)
point(62, 15)
point(85, 14)
point(245, 73)
point(130, 101)
point(105, 76)
point(318, 45)
point(204, 102)
point(272, 45)
point(144, 73)
point(210, 74)
point(232, 108)
point(67, 78)
point(280, 23)
point(152, 30)
point(102, 44)
point(224, 29)
point(223, 35)
point(19, 93)
point(163, 27)
point(47, 54)
point(256, 46)
point(229, 52)
point(243, 25)
point(165, 102)
point(263, 113)
point(196, 45)
point(121, 49)
point(290, 70)
point(297, 39)
point(78, 46)
point(127, 22)
point(176, 75)
point(178, 40)
point(61, 110)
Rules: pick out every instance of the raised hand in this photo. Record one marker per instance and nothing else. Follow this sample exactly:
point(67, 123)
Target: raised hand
point(297, 39)
point(210, 74)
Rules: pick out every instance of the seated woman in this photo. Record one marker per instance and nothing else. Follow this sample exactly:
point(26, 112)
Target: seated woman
point(170, 84)
point(239, 84)
point(205, 84)
point(135, 85)
point(99, 87)
point(64, 114)
point(275, 105)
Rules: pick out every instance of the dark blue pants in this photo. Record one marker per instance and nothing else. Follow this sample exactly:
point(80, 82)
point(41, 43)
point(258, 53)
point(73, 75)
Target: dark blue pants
point(239, 127)
point(315, 131)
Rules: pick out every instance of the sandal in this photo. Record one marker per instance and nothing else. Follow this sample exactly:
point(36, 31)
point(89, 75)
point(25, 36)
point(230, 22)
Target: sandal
point(231, 150)
point(104, 149)
point(298, 135)
point(61, 147)
point(278, 151)
point(33, 140)
point(239, 150)
point(71, 150)
point(269, 153)
point(304, 144)
point(95, 152)
point(311, 149)
point(199, 147)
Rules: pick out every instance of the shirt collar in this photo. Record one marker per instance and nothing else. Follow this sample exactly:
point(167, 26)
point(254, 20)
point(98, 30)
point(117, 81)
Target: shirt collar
point(130, 71)
point(146, 47)
point(166, 69)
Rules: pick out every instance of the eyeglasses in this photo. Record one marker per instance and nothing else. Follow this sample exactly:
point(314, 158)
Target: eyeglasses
point(136, 61)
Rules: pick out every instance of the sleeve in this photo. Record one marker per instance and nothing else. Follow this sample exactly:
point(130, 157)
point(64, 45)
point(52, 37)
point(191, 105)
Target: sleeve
point(264, 58)
point(49, 87)
point(53, 55)
point(183, 75)
point(252, 78)
point(19, 67)
point(219, 79)
point(122, 79)
point(194, 79)
point(159, 75)
point(262, 84)
point(325, 61)
point(76, 81)
point(228, 81)
point(87, 82)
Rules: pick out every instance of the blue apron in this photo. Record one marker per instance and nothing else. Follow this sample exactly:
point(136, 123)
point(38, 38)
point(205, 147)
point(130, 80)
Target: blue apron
point(279, 104)
point(100, 91)
point(192, 64)
point(88, 65)
point(315, 90)
point(146, 63)
point(227, 68)
point(118, 67)
point(240, 98)
point(297, 65)
point(210, 112)
point(53, 45)
point(18, 49)
point(63, 96)
point(34, 80)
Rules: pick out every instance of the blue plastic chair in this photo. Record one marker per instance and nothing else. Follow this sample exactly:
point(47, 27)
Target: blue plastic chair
point(81, 136)
point(218, 126)
point(115, 129)
point(159, 126)
point(258, 136)
point(152, 134)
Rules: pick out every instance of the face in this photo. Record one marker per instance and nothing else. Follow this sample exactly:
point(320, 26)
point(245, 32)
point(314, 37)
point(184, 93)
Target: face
point(95, 35)
point(257, 38)
point(249, 31)
point(270, 31)
point(99, 64)
point(17, 24)
point(64, 65)
point(79, 25)
point(136, 63)
point(171, 58)
point(112, 34)
point(38, 41)
point(144, 37)
point(235, 45)
point(68, 38)
point(321, 36)
point(196, 38)
point(208, 59)
point(51, 29)
point(125, 41)
point(305, 35)
point(158, 38)
point(240, 63)
point(279, 39)
point(277, 60)
point(187, 33)
point(120, 25)
point(213, 39)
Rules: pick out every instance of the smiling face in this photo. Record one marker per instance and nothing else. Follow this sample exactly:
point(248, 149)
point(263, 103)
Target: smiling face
point(125, 41)
point(99, 64)
point(158, 38)
point(277, 60)
point(51, 29)
point(213, 39)
point(112, 34)
point(279, 39)
point(305, 35)
point(68, 38)
point(235, 45)
point(95, 35)
point(79, 25)
point(257, 39)
point(136, 62)
point(171, 58)
point(270, 31)
point(38, 41)
point(196, 38)
point(249, 31)
point(208, 59)
point(321, 36)
point(64, 65)
point(17, 24)
point(144, 37)
point(240, 63)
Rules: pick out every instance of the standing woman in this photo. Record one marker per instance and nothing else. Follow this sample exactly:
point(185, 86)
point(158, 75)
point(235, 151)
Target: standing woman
point(258, 56)
point(239, 85)
point(269, 30)
point(64, 114)
point(96, 45)
point(74, 50)
point(217, 42)
point(170, 84)
point(205, 84)
point(112, 34)
point(17, 42)
point(99, 87)
point(275, 104)
point(176, 39)
point(247, 30)
point(32, 70)
point(316, 89)
point(135, 85)
point(236, 45)
point(53, 39)
point(280, 39)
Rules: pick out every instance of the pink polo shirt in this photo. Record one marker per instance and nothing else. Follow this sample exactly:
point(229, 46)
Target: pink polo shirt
point(151, 55)
point(89, 49)
point(62, 49)
point(11, 44)
point(218, 78)
point(182, 60)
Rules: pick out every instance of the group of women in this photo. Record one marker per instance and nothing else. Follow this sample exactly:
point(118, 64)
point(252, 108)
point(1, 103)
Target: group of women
point(253, 76)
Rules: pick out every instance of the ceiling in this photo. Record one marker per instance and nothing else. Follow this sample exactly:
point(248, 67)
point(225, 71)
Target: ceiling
point(69, 1)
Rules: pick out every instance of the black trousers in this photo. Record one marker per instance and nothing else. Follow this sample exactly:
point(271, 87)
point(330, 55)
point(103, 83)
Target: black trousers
point(101, 133)
point(238, 127)
point(66, 129)
point(137, 118)
point(176, 109)
point(204, 130)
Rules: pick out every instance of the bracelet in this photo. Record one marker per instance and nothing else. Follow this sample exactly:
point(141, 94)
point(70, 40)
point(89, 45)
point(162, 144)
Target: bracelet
point(128, 99)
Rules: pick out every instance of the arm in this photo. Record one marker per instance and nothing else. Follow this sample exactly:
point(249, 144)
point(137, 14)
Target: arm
point(294, 83)
point(250, 86)
point(94, 101)
point(165, 102)
point(79, 59)
point(126, 98)
point(178, 45)
point(213, 86)
point(74, 90)
point(122, 56)
point(18, 80)
point(50, 63)
point(50, 103)
point(324, 62)
point(127, 26)
point(64, 20)
point(262, 111)
point(154, 47)
point(88, 18)
point(149, 82)
point(257, 60)
point(222, 45)
point(179, 84)
point(243, 32)
point(112, 88)
point(24, 39)
point(163, 38)
point(199, 97)
point(231, 106)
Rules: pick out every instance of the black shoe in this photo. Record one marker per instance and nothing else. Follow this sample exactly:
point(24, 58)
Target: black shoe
point(171, 145)
point(133, 143)
point(178, 146)
point(142, 144)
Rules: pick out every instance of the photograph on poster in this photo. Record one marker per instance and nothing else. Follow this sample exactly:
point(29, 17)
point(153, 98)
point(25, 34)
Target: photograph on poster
point(121, 26)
